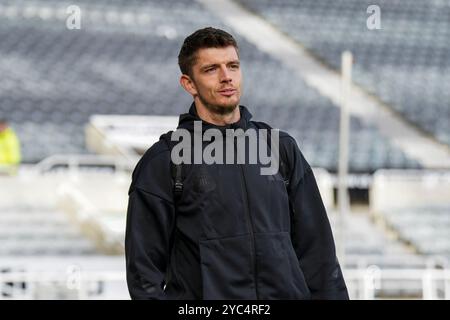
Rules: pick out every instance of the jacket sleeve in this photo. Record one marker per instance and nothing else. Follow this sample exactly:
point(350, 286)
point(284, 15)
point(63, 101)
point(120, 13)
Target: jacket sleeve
point(150, 223)
point(311, 233)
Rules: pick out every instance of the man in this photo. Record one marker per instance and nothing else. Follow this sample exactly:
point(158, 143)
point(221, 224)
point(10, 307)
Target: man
point(230, 232)
point(9, 148)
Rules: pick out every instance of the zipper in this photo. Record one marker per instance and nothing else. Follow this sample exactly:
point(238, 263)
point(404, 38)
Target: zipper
point(250, 225)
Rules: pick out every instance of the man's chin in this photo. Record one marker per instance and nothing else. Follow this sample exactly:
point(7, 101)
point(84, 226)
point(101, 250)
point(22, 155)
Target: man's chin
point(222, 109)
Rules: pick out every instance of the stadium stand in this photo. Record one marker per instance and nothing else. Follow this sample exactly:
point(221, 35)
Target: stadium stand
point(112, 66)
point(405, 63)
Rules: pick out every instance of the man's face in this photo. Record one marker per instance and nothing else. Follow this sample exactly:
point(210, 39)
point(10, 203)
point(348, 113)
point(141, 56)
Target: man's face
point(216, 79)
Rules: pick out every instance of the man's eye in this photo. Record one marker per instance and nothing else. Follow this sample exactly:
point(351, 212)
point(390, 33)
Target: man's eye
point(234, 66)
point(210, 69)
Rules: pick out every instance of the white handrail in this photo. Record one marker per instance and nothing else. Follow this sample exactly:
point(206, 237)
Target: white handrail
point(73, 161)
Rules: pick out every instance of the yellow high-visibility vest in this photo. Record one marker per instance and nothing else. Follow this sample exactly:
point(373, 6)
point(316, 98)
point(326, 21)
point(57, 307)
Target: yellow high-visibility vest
point(9, 148)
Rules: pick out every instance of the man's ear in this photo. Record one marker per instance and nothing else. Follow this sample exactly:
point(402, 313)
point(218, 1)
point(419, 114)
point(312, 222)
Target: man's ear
point(188, 84)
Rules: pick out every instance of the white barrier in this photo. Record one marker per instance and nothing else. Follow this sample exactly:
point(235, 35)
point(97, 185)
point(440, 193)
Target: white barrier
point(392, 189)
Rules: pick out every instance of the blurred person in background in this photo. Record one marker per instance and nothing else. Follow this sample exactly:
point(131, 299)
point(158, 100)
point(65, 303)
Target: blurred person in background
point(10, 154)
point(225, 231)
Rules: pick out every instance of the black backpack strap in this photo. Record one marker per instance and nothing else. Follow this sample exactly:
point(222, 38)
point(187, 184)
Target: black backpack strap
point(176, 174)
point(177, 177)
point(176, 170)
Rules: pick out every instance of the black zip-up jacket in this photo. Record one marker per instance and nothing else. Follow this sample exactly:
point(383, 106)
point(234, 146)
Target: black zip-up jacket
point(233, 234)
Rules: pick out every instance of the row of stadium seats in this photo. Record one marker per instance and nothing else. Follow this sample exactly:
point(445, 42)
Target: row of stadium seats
point(427, 228)
point(363, 238)
point(34, 231)
point(405, 63)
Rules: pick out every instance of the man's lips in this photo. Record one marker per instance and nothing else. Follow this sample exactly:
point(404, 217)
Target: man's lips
point(227, 92)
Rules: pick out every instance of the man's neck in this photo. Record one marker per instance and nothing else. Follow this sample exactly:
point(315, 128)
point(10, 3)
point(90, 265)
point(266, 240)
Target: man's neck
point(218, 119)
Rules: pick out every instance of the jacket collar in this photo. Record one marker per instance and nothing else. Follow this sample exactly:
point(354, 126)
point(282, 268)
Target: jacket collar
point(186, 120)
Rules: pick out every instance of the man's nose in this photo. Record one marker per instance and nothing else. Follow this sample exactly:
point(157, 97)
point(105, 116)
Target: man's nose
point(225, 75)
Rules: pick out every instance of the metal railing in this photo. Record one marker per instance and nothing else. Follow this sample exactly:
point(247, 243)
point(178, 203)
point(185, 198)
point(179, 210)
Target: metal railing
point(72, 285)
point(368, 283)
point(363, 283)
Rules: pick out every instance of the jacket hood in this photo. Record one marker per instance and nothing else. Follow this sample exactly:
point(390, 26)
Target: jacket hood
point(186, 120)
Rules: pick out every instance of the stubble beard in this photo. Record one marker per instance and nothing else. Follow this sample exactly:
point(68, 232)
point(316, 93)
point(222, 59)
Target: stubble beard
point(218, 109)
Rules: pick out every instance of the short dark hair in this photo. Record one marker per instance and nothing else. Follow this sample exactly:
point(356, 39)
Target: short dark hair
point(203, 38)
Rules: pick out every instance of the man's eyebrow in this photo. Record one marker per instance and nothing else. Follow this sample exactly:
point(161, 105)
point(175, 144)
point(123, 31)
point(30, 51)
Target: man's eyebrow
point(209, 66)
point(216, 64)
